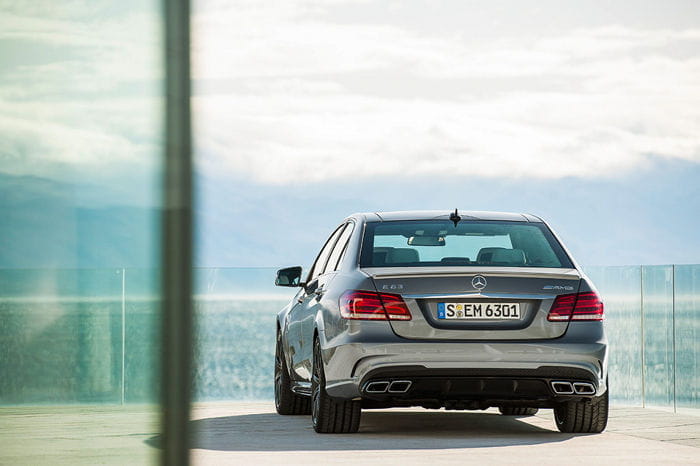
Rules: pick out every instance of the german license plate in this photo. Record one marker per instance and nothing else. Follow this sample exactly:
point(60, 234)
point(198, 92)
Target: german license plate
point(479, 311)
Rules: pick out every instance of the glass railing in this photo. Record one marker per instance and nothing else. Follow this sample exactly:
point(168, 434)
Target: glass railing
point(71, 336)
point(653, 325)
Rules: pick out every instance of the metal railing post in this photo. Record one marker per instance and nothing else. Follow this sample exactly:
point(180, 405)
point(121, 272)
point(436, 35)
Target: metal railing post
point(673, 328)
point(123, 381)
point(642, 345)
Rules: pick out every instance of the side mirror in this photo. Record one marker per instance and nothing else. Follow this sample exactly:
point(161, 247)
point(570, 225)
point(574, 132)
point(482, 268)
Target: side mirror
point(291, 276)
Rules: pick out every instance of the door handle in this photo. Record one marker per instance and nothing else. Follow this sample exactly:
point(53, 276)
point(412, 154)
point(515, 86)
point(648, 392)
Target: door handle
point(319, 292)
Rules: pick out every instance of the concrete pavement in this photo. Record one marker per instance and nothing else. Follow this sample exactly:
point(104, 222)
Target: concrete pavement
point(251, 433)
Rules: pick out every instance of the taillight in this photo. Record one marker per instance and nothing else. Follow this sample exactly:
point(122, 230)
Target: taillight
point(368, 305)
point(395, 306)
point(562, 307)
point(576, 306)
point(588, 307)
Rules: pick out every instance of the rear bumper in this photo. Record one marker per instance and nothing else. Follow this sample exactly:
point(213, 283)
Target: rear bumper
point(476, 388)
point(503, 370)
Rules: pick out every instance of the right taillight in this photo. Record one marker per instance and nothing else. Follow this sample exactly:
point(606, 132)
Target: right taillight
point(576, 306)
point(368, 305)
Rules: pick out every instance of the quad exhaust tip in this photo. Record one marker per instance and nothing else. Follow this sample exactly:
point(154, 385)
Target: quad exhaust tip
point(583, 388)
point(562, 387)
point(377, 387)
point(399, 386)
point(384, 386)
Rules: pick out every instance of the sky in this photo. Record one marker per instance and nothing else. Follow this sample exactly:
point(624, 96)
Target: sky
point(463, 88)
point(586, 113)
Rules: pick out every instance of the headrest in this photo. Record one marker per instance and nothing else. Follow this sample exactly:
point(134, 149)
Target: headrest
point(402, 256)
point(379, 258)
point(509, 256)
point(486, 254)
point(379, 255)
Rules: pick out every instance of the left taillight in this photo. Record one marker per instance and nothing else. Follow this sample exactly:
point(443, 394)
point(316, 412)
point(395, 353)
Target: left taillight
point(368, 305)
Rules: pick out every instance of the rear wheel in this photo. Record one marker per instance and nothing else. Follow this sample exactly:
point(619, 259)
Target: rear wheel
point(585, 416)
point(330, 416)
point(511, 411)
point(286, 401)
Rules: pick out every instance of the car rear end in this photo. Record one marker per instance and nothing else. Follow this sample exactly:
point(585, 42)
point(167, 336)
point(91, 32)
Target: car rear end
point(482, 312)
point(545, 348)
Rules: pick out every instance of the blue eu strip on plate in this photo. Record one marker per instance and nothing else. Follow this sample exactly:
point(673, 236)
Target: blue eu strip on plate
point(441, 310)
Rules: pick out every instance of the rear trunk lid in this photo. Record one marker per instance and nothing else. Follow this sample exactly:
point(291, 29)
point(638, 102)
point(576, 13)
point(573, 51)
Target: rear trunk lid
point(429, 291)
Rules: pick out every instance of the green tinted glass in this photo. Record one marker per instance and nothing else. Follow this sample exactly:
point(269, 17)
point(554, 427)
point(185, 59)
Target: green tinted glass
point(80, 197)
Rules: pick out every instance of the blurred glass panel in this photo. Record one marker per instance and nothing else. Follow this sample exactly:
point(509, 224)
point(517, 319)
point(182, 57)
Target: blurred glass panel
point(235, 332)
point(60, 336)
point(620, 288)
point(687, 335)
point(80, 201)
point(657, 304)
point(141, 335)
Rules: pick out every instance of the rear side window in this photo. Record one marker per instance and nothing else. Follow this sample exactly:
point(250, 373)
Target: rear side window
point(322, 258)
point(340, 246)
point(469, 243)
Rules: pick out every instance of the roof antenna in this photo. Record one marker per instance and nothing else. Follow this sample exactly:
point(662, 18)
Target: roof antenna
point(454, 217)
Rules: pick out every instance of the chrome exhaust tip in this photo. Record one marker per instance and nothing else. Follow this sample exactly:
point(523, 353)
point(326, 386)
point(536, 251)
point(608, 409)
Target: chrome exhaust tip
point(376, 387)
point(563, 388)
point(584, 388)
point(399, 386)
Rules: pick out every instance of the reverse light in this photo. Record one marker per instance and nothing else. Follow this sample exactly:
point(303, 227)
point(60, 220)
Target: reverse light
point(368, 305)
point(576, 306)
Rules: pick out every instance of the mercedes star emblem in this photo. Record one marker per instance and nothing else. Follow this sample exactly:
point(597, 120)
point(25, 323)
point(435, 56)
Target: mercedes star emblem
point(479, 282)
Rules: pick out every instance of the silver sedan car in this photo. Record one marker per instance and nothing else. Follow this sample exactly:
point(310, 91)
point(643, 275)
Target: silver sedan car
point(456, 310)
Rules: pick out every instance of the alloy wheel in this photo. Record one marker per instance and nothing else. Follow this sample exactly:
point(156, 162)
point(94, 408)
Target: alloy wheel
point(316, 382)
point(278, 372)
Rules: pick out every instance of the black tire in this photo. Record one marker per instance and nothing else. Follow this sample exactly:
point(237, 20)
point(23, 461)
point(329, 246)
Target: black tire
point(584, 416)
point(286, 401)
point(330, 416)
point(511, 411)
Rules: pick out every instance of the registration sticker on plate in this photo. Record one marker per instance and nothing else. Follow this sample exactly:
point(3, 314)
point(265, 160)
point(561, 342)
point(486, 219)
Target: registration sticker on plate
point(479, 311)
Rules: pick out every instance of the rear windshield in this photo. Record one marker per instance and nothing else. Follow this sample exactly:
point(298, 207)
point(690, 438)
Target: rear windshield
point(470, 243)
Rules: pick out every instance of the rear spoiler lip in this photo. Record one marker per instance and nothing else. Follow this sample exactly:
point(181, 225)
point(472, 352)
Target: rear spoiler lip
point(524, 272)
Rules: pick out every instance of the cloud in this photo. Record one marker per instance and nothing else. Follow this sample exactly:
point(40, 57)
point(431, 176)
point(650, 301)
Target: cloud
point(88, 138)
point(79, 90)
point(290, 96)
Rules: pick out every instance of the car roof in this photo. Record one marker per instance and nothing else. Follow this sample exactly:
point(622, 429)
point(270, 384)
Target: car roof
point(445, 214)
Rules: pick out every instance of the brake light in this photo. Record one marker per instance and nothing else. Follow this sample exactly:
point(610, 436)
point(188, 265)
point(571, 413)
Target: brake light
point(368, 305)
point(588, 307)
point(395, 306)
point(576, 306)
point(562, 308)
